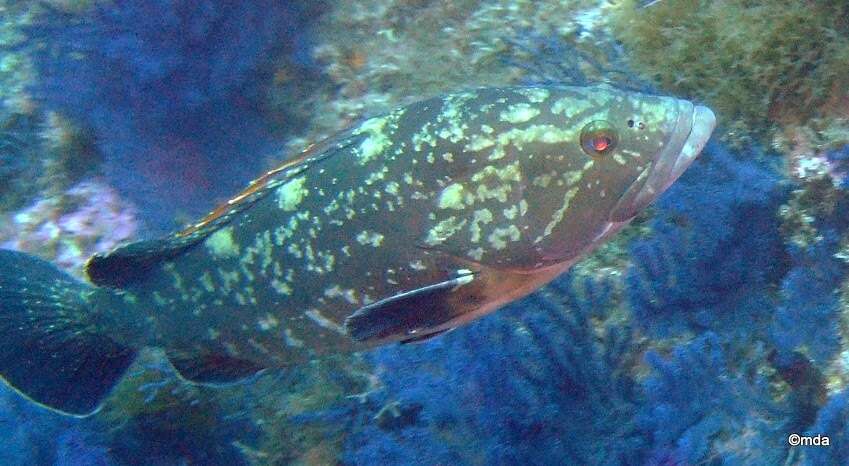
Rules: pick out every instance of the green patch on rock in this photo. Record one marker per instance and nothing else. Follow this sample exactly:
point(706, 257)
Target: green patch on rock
point(757, 62)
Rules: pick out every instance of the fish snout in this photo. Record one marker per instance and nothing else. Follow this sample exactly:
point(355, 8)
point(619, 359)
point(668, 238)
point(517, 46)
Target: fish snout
point(692, 130)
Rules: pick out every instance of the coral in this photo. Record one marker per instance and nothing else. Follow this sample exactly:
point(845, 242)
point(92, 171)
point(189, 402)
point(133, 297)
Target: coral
point(68, 228)
point(807, 319)
point(815, 228)
point(25, 433)
point(304, 414)
point(833, 421)
point(168, 419)
point(714, 248)
point(699, 406)
point(179, 435)
point(16, 70)
point(754, 62)
point(502, 390)
point(32, 435)
point(722, 240)
point(816, 149)
point(76, 447)
point(151, 78)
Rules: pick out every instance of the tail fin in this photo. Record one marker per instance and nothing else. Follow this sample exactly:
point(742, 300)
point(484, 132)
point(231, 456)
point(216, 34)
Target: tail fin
point(51, 349)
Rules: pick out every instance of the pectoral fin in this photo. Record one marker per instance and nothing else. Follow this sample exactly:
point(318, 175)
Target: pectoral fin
point(408, 315)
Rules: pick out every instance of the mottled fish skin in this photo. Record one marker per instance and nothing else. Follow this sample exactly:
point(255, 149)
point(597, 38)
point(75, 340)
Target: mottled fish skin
point(493, 182)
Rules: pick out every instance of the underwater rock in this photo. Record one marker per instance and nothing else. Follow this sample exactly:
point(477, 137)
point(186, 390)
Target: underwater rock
point(68, 228)
point(758, 62)
point(151, 79)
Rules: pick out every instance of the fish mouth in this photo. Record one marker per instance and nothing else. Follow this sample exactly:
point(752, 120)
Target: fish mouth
point(692, 130)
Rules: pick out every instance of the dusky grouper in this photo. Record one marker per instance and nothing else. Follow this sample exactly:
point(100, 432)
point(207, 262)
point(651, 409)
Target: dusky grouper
point(398, 229)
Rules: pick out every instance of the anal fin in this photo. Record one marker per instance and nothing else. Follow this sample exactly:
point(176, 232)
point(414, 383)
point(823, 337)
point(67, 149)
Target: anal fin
point(212, 369)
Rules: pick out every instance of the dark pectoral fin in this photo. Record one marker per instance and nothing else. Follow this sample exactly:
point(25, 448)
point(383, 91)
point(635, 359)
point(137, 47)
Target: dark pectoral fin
point(212, 369)
point(406, 314)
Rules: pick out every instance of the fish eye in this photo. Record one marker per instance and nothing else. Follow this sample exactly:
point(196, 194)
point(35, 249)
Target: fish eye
point(598, 138)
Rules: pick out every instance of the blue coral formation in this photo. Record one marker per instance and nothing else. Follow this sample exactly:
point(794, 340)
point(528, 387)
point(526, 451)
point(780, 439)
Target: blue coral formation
point(714, 248)
point(31, 435)
point(533, 384)
point(173, 90)
point(832, 421)
point(699, 405)
point(808, 317)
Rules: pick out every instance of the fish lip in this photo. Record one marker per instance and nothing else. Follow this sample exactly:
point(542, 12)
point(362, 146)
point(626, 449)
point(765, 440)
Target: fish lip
point(692, 130)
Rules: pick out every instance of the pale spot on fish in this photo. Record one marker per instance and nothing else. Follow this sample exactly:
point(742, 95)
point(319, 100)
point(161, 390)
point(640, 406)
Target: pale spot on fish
point(290, 340)
point(444, 230)
point(570, 106)
point(221, 243)
point(267, 322)
point(499, 237)
point(452, 197)
point(377, 141)
point(535, 94)
point(417, 265)
point(348, 294)
point(370, 237)
point(323, 321)
point(619, 159)
point(281, 287)
point(291, 194)
point(392, 188)
point(519, 113)
point(480, 216)
point(558, 215)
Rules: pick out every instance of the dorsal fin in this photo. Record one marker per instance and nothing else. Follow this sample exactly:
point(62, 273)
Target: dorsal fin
point(129, 263)
point(271, 179)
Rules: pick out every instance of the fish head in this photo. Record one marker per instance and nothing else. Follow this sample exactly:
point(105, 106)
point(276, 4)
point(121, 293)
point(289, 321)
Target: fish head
point(546, 173)
point(619, 150)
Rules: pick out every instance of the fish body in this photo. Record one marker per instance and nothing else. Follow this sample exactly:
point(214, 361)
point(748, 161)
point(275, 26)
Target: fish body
point(398, 229)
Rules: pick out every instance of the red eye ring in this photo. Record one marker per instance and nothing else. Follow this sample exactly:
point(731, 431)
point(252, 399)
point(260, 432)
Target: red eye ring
point(598, 138)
